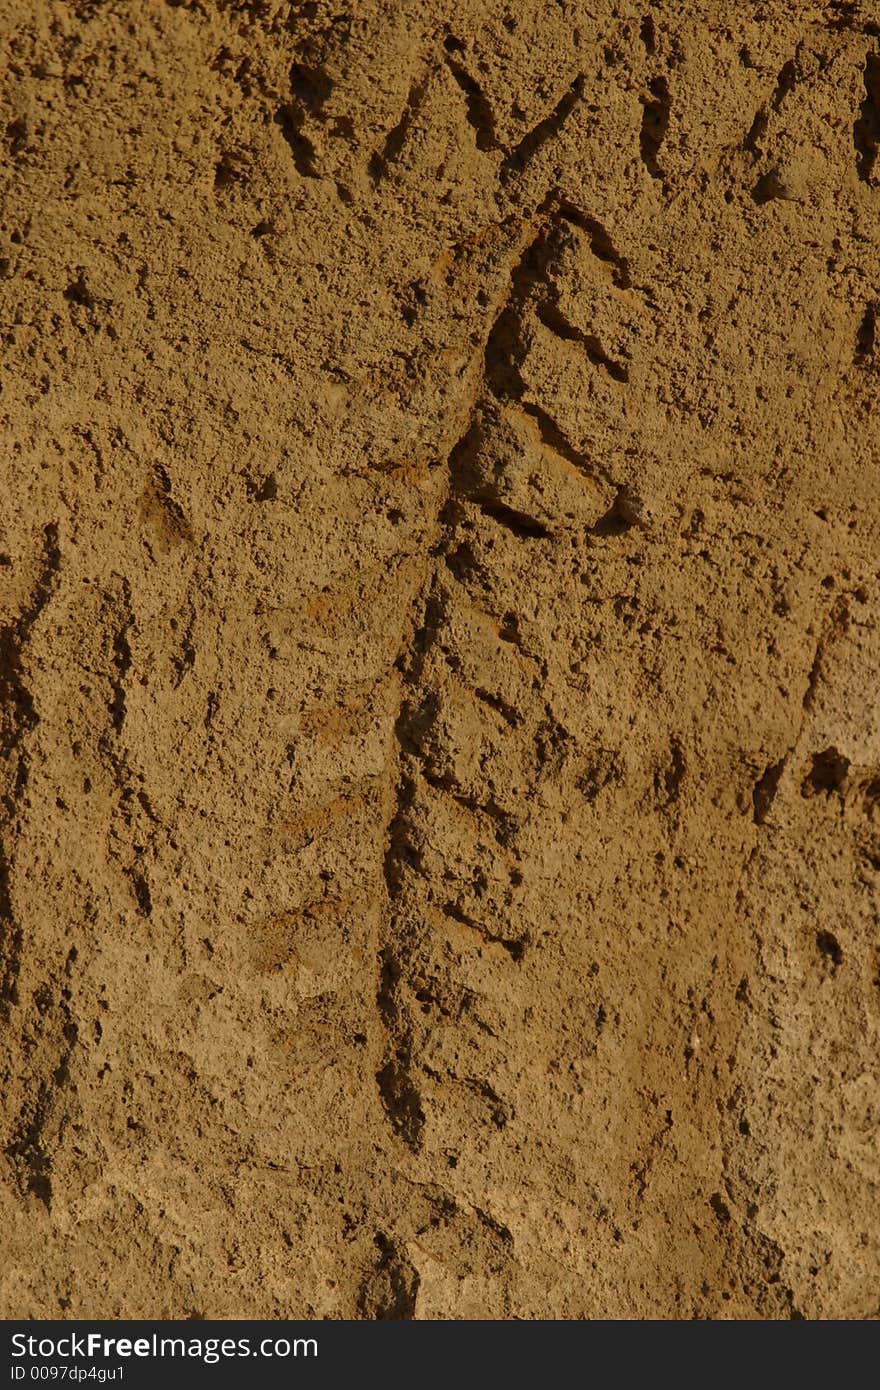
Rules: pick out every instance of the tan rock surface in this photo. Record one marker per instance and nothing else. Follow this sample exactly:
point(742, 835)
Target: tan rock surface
point(439, 659)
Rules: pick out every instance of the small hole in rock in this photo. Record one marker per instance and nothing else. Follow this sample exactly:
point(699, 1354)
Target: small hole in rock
point(829, 947)
point(827, 774)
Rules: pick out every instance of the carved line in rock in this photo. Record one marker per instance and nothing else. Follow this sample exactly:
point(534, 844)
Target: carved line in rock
point(502, 385)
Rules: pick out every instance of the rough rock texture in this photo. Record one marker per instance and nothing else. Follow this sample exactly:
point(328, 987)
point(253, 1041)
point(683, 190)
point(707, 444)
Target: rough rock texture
point(439, 658)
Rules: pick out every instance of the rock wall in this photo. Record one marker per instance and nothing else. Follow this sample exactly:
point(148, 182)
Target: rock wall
point(439, 659)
